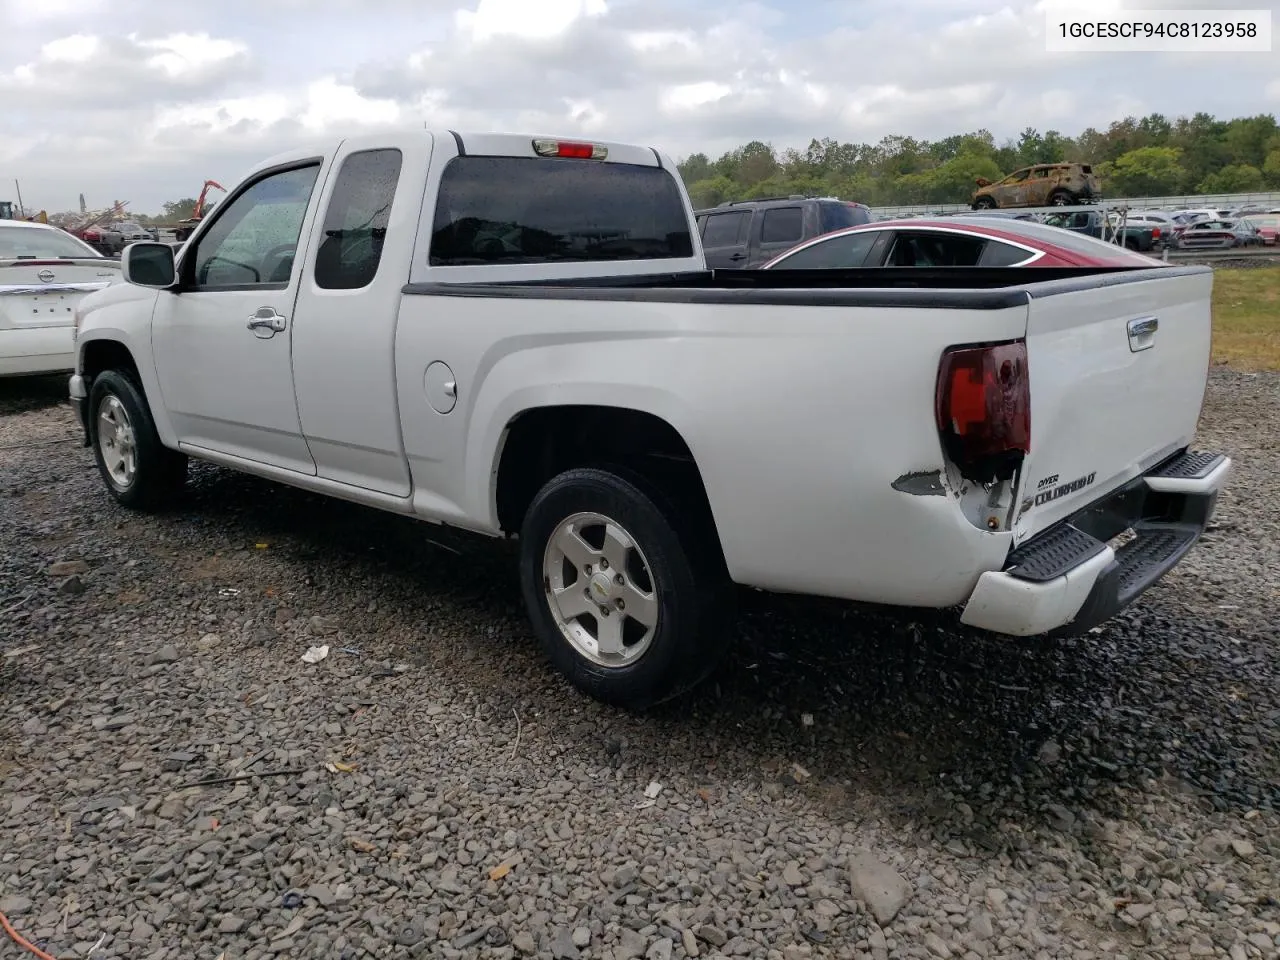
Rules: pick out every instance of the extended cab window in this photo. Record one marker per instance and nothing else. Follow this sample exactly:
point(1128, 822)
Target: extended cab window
point(355, 224)
point(255, 236)
point(531, 210)
point(782, 225)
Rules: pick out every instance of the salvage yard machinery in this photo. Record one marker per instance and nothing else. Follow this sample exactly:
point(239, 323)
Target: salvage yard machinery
point(186, 227)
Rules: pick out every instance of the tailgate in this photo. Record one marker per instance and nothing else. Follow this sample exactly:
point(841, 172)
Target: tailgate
point(1117, 374)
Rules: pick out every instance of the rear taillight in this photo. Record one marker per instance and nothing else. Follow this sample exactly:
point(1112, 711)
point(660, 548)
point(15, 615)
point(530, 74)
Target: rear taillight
point(983, 408)
point(1155, 233)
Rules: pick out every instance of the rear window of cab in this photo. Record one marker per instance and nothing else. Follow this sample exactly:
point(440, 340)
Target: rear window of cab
point(549, 210)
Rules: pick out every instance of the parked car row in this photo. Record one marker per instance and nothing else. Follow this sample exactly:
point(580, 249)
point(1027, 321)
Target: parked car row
point(1213, 229)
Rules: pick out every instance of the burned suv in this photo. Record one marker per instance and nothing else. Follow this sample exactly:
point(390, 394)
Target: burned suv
point(1043, 185)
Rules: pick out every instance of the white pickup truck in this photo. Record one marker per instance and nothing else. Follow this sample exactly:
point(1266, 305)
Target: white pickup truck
point(519, 336)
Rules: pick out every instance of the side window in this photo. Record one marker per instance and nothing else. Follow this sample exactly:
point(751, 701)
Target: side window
point(997, 254)
point(355, 224)
point(782, 225)
point(919, 249)
point(845, 252)
point(255, 236)
point(725, 229)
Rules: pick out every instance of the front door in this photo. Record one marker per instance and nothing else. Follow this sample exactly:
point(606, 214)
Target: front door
point(223, 340)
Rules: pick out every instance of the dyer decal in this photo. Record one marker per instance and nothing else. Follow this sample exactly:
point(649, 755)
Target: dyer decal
point(1049, 495)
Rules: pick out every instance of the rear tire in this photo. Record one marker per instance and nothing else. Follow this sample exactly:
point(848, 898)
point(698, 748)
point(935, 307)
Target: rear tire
point(137, 469)
point(597, 540)
point(1062, 198)
point(984, 203)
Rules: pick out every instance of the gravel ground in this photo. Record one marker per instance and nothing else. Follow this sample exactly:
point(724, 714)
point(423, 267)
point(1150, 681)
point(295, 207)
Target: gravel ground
point(852, 783)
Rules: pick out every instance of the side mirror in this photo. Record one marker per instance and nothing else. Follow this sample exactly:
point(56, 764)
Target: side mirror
point(149, 264)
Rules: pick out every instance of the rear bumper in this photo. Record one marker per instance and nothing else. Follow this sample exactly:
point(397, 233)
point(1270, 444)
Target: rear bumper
point(1077, 575)
point(34, 350)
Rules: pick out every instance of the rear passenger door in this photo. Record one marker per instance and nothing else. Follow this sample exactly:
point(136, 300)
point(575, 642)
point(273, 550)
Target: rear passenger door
point(724, 238)
point(348, 306)
point(775, 230)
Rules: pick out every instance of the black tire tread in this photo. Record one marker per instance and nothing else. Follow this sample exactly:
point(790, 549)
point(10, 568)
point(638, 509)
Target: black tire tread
point(162, 472)
point(701, 588)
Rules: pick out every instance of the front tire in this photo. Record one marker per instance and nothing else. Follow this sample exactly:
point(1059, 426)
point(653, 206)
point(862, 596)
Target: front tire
point(137, 469)
point(623, 588)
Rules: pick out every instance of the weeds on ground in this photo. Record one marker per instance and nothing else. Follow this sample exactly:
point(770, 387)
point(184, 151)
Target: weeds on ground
point(1246, 318)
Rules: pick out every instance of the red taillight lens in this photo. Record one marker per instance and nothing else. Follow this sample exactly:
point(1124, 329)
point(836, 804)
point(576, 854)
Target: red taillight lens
point(570, 150)
point(983, 408)
point(1155, 233)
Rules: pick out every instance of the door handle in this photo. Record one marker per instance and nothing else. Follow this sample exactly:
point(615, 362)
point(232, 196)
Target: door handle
point(266, 318)
point(1142, 333)
point(738, 256)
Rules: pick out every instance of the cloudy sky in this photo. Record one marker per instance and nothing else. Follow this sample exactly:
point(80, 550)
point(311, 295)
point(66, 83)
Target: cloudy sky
point(142, 100)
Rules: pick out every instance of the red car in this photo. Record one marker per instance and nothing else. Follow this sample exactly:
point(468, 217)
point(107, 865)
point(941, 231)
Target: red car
point(1267, 225)
point(964, 241)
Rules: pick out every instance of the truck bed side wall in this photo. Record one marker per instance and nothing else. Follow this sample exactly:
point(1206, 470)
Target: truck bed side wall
point(780, 404)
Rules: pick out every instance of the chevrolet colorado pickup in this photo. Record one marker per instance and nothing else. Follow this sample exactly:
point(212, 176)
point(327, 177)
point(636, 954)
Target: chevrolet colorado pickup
point(519, 336)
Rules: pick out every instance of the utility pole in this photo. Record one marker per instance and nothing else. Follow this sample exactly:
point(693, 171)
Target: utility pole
point(22, 211)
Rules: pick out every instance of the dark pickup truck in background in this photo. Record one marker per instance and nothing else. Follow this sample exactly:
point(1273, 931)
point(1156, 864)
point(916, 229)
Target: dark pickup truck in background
point(742, 234)
point(1143, 237)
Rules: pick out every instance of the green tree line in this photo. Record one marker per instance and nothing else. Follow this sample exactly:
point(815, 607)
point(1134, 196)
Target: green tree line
point(1151, 156)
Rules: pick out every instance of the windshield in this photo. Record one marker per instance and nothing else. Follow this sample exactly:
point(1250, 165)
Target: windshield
point(36, 243)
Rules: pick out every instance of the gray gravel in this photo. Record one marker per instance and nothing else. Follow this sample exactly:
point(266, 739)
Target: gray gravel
point(853, 783)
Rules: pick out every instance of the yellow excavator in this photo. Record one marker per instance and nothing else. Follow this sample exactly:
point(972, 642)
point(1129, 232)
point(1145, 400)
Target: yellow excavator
point(7, 213)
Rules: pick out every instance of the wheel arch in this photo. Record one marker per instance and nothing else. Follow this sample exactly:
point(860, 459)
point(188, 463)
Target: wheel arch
point(109, 349)
point(543, 440)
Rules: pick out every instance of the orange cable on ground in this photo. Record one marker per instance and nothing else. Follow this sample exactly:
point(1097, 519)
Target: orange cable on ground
point(22, 941)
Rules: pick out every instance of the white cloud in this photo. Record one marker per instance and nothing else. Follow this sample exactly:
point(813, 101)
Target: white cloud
point(83, 71)
point(132, 99)
point(77, 48)
point(186, 54)
point(689, 96)
point(521, 18)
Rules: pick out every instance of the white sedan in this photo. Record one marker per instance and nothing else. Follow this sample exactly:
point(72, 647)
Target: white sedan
point(44, 272)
